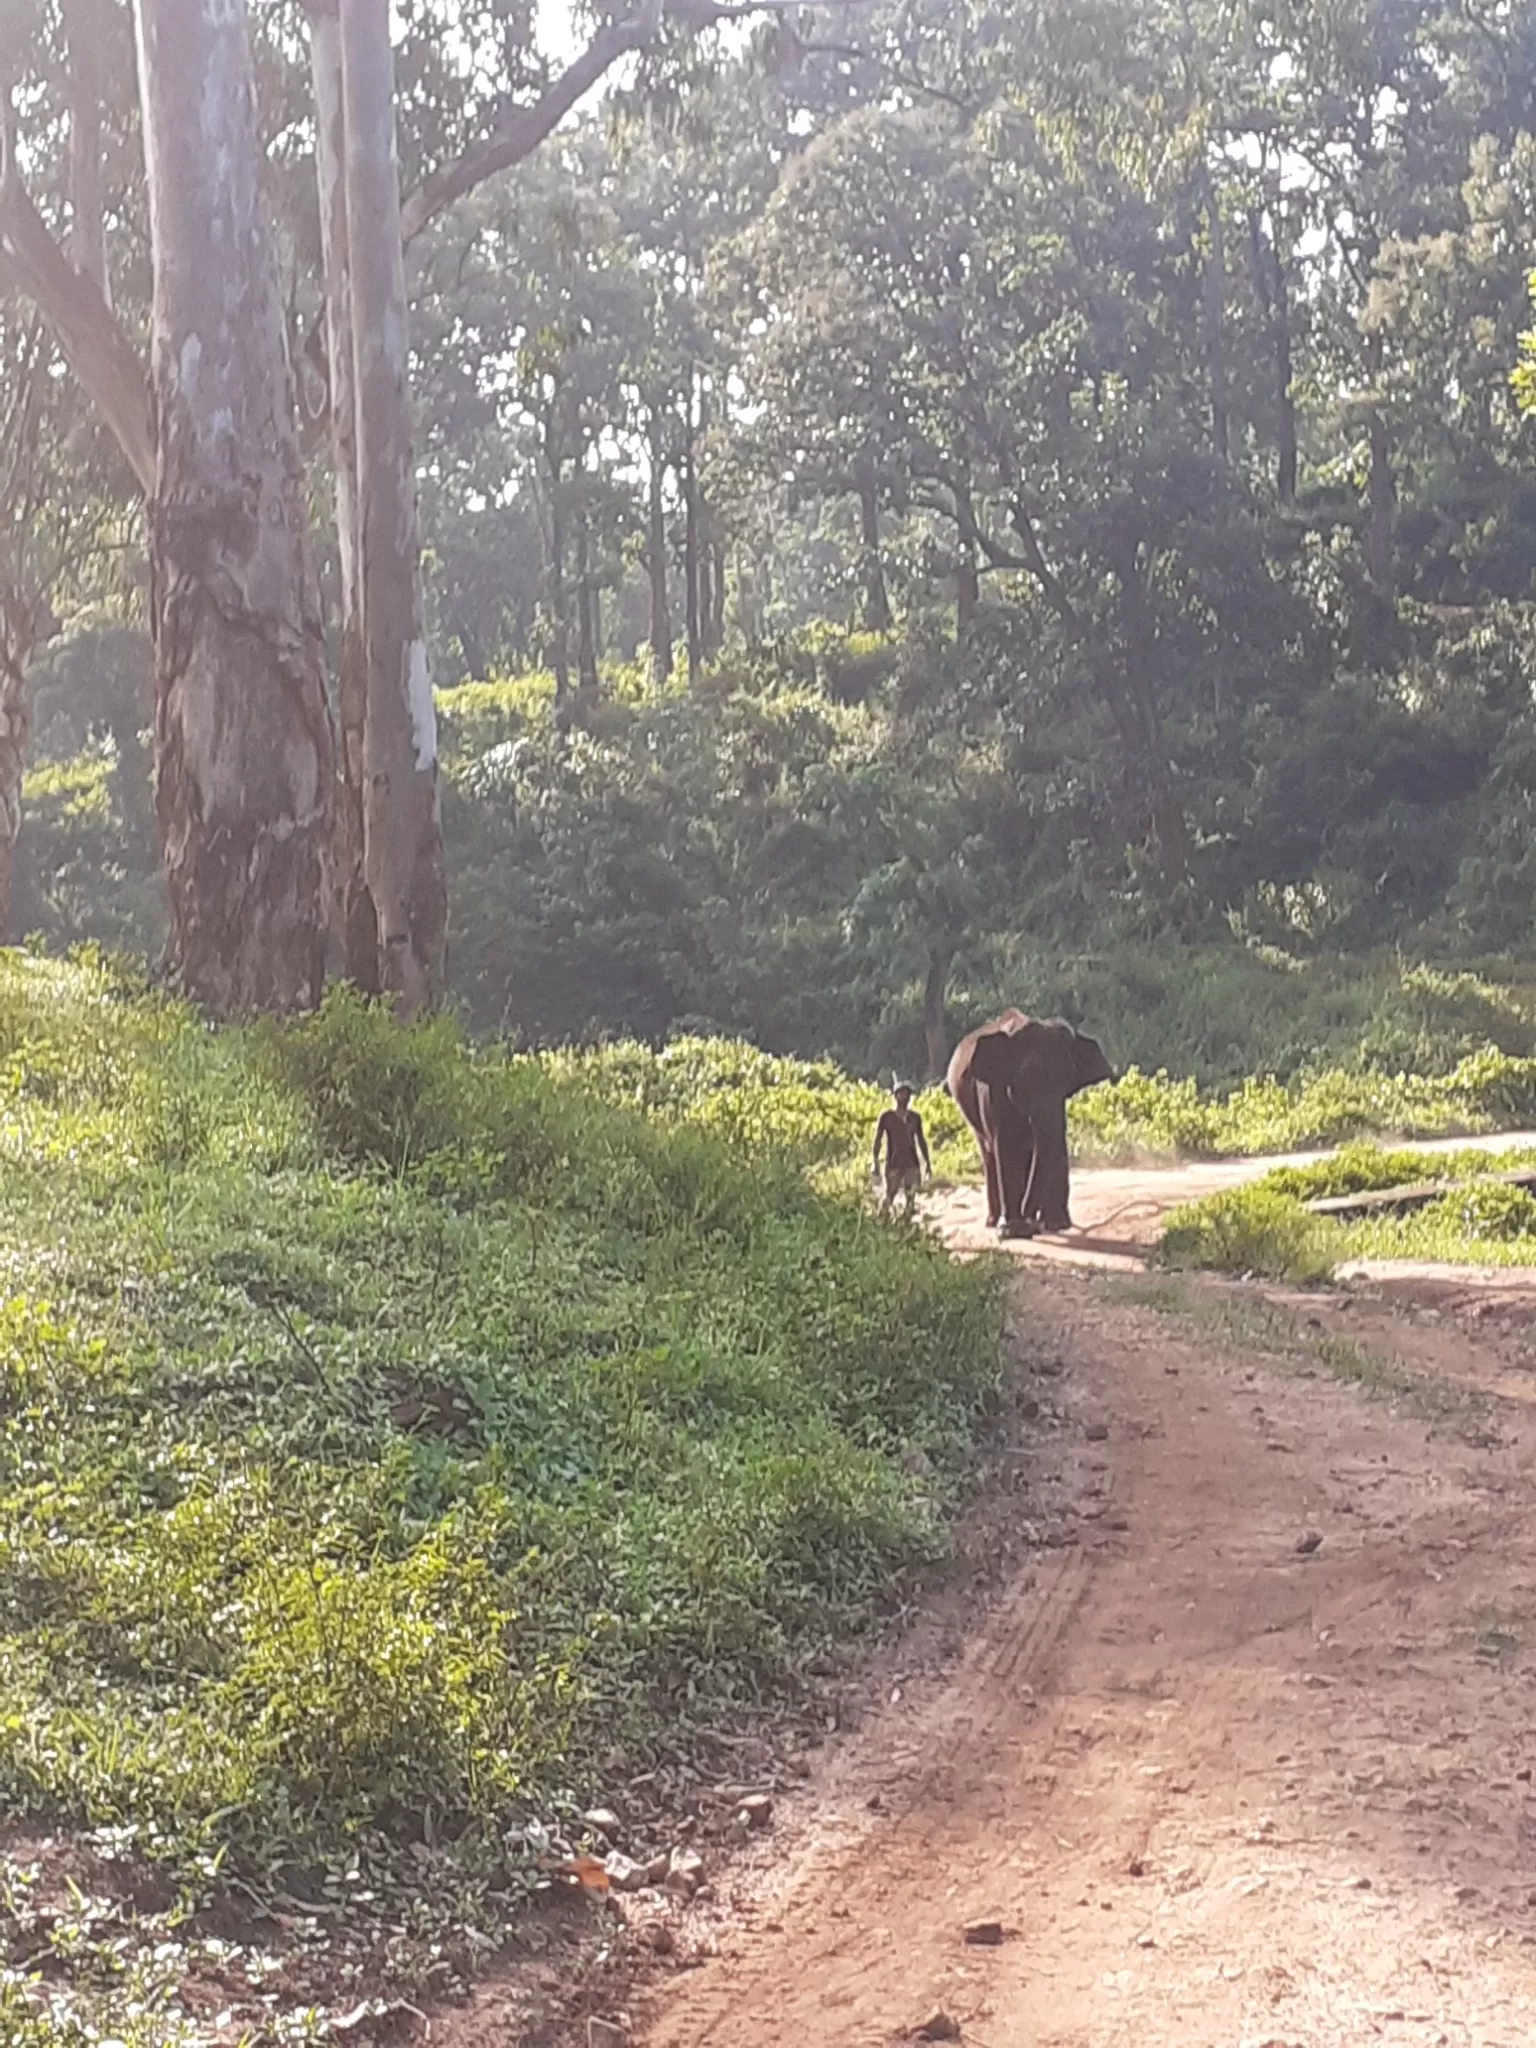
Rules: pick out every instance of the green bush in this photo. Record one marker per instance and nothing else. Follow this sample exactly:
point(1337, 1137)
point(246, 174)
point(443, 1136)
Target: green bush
point(1265, 1227)
point(387, 1429)
point(1488, 1211)
point(1250, 1230)
point(1359, 1169)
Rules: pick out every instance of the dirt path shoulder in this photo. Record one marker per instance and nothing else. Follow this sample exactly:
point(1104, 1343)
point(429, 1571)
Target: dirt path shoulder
point(1120, 1210)
point(1241, 1755)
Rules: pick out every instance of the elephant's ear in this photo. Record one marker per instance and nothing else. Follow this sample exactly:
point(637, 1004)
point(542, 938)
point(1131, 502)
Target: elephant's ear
point(1089, 1064)
point(995, 1058)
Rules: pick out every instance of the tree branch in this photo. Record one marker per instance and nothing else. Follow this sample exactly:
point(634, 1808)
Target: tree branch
point(94, 344)
point(521, 129)
point(1055, 590)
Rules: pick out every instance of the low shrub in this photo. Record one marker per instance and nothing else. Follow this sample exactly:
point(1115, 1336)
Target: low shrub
point(1255, 1230)
point(1487, 1211)
point(389, 1429)
point(1266, 1228)
point(812, 1112)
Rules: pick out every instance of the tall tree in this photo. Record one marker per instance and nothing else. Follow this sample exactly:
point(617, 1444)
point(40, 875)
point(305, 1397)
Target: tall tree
point(402, 832)
point(353, 903)
point(242, 728)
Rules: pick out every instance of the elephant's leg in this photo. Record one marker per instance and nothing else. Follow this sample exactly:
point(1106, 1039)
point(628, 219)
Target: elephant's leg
point(1049, 1197)
point(994, 1184)
point(1031, 1156)
point(1015, 1148)
point(992, 1128)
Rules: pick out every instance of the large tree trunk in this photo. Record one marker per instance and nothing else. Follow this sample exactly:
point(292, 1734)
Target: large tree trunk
point(877, 601)
point(402, 831)
point(935, 1024)
point(242, 729)
point(352, 904)
point(1382, 487)
point(656, 554)
point(15, 731)
point(1215, 298)
point(1275, 296)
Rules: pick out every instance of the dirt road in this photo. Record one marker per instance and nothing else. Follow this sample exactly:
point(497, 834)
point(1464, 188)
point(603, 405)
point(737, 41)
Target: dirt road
point(1120, 1209)
point(1222, 1785)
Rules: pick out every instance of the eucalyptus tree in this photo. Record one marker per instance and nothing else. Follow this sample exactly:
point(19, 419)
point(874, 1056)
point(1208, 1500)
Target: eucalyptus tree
point(244, 744)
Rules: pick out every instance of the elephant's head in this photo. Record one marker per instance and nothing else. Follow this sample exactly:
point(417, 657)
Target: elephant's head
point(1035, 1060)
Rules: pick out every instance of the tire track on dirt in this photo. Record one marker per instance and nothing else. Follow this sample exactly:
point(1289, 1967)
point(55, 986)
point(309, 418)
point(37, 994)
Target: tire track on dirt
point(1223, 1793)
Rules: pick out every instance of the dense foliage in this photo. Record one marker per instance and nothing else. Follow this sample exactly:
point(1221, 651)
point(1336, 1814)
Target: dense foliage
point(1266, 1227)
point(927, 505)
point(386, 1432)
point(734, 861)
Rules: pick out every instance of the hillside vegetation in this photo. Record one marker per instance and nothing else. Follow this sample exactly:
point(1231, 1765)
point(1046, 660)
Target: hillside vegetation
point(390, 1434)
point(753, 863)
point(1267, 1227)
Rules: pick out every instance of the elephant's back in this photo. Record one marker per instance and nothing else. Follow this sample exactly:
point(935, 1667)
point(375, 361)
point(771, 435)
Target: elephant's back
point(958, 1074)
point(958, 1077)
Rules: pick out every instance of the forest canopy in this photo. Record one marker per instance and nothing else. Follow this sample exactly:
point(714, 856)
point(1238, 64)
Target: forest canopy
point(919, 504)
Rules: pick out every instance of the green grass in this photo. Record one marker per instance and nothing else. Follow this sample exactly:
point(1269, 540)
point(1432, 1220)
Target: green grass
point(812, 1111)
point(1253, 1324)
point(391, 1434)
point(1266, 1229)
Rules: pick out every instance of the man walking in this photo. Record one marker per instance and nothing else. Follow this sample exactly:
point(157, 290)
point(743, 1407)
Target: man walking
point(900, 1132)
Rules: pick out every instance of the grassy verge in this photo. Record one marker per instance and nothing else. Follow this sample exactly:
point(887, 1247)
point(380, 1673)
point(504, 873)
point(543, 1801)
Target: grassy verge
point(396, 1444)
point(1266, 1229)
point(812, 1111)
point(1256, 1325)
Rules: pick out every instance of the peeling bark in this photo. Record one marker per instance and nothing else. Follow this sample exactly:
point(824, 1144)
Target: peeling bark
point(353, 905)
point(242, 730)
point(402, 831)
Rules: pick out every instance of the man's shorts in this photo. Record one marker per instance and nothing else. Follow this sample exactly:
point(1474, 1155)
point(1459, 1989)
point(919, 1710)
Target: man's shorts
point(898, 1179)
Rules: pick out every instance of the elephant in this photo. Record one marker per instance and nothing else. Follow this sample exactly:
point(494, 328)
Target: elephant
point(1011, 1079)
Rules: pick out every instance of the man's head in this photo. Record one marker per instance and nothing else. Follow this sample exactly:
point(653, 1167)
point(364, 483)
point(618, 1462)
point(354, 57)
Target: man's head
point(901, 1094)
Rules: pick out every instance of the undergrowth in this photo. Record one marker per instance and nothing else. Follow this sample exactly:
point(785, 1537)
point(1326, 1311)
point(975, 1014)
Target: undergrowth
point(1267, 1229)
point(391, 1435)
point(811, 1111)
